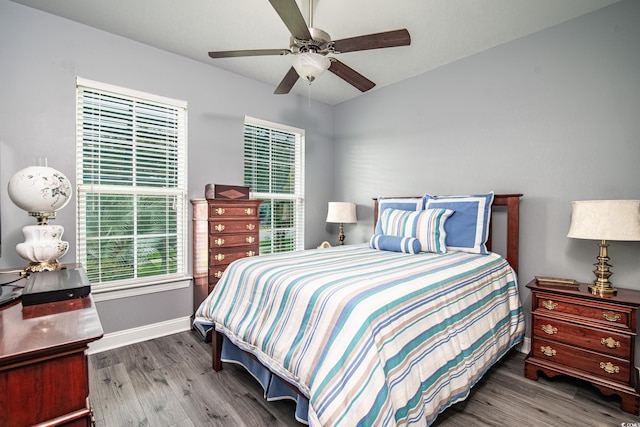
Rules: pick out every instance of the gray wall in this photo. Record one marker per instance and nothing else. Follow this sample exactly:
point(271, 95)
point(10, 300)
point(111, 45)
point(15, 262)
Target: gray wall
point(41, 55)
point(555, 116)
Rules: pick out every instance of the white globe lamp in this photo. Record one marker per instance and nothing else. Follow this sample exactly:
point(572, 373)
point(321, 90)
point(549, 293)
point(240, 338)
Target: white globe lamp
point(41, 191)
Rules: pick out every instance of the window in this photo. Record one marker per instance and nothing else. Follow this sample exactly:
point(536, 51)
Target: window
point(130, 173)
point(274, 172)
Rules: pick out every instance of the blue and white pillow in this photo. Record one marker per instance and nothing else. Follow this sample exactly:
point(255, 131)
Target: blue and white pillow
point(408, 245)
point(468, 229)
point(406, 204)
point(428, 226)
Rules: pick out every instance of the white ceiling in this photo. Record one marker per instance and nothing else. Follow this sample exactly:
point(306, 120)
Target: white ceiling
point(442, 31)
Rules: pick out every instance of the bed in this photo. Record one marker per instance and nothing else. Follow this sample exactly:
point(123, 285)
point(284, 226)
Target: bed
point(363, 336)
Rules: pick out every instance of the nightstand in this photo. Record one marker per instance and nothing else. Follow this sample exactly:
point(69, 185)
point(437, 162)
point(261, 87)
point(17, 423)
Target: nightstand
point(587, 337)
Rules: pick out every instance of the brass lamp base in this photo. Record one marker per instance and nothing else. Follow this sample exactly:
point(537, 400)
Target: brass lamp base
point(341, 235)
point(36, 267)
point(602, 286)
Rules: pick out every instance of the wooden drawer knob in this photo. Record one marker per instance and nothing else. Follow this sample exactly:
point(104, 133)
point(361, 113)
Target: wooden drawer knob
point(610, 342)
point(218, 274)
point(249, 211)
point(251, 227)
point(550, 305)
point(250, 239)
point(250, 253)
point(219, 227)
point(609, 368)
point(548, 329)
point(219, 241)
point(219, 211)
point(219, 257)
point(611, 316)
point(548, 351)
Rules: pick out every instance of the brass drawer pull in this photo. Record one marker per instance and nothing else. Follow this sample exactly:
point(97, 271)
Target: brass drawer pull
point(219, 227)
point(219, 211)
point(250, 253)
point(219, 241)
point(218, 274)
point(548, 329)
point(548, 351)
point(550, 305)
point(219, 257)
point(250, 239)
point(249, 211)
point(251, 227)
point(610, 342)
point(609, 368)
point(611, 316)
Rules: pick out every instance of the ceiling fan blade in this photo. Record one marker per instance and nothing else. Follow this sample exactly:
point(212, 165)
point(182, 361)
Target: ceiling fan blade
point(373, 41)
point(350, 76)
point(287, 83)
point(254, 52)
point(292, 18)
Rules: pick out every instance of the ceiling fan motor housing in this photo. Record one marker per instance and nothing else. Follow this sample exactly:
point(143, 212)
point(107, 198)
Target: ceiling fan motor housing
point(319, 42)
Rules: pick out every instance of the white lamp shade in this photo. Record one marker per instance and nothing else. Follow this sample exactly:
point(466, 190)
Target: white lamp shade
point(342, 212)
point(39, 189)
point(605, 220)
point(310, 65)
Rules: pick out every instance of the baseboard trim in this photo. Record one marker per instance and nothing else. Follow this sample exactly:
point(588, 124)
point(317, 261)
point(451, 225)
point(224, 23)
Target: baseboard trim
point(526, 345)
point(142, 333)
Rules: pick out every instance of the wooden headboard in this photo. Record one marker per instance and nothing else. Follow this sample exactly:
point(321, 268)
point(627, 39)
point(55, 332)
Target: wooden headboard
point(512, 204)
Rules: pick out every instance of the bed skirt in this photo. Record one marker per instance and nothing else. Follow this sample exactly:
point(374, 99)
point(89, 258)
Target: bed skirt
point(274, 387)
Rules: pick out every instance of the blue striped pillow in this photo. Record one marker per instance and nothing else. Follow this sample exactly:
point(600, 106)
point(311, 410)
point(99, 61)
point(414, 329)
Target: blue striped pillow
point(404, 203)
point(468, 229)
point(428, 226)
point(408, 245)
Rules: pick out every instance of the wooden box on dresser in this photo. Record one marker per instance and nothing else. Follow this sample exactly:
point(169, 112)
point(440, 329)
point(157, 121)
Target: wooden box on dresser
point(44, 374)
point(586, 336)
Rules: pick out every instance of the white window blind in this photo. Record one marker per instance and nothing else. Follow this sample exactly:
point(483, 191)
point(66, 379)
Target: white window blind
point(274, 172)
point(130, 173)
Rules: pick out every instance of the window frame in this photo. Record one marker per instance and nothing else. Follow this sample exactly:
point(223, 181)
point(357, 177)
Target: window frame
point(145, 284)
point(297, 197)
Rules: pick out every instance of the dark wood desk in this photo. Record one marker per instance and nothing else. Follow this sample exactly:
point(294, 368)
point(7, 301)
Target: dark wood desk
point(43, 362)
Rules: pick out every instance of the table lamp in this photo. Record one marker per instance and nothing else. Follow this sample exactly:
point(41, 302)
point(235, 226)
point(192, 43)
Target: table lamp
point(341, 213)
point(41, 191)
point(605, 220)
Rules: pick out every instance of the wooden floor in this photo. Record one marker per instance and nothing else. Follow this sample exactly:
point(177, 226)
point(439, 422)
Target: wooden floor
point(169, 382)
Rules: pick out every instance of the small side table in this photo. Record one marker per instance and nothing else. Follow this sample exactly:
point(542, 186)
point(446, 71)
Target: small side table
point(587, 337)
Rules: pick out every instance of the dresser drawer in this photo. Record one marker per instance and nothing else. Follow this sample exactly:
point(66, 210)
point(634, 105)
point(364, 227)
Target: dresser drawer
point(601, 365)
point(599, 340)
point(581, 310)
point(220, 257)
point(219, 240)
point(232, 227)
point(233, 211)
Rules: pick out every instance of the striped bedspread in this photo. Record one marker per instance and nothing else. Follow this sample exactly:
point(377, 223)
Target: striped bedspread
point(371, 337)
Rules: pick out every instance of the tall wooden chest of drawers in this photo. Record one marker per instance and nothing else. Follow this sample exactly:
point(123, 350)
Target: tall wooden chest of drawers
point(234, 233)
point(587, 337)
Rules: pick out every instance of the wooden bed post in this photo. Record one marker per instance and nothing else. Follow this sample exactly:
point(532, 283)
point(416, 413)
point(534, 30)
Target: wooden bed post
point(216, 350)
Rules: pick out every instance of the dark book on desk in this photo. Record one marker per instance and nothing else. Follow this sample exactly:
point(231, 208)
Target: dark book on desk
point(59, 285)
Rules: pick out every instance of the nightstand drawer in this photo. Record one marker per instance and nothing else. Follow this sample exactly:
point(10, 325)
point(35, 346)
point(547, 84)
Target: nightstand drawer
point(583, 311)
point(599, 340)
point(604, 366)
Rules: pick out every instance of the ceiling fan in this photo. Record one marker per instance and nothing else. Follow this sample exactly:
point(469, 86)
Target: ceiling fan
point(310, 46)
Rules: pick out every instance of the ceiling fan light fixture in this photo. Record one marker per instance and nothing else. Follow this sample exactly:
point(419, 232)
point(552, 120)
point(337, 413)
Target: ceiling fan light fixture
point(310, 65)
